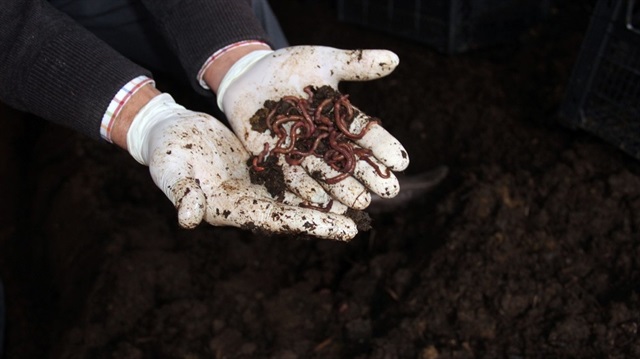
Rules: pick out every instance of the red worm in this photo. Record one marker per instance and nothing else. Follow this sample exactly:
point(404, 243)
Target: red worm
point(282, 119)
point(293, 134)
point(260, 158)
point(338, 178)
point(309, 91)
point(319, 208)
point(305, 114)
point(320, 127)
point(368, 160)
point(321, 107)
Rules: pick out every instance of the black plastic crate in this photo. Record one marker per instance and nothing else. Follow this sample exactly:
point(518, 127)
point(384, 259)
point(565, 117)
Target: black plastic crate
point(603, 95)
point(451, 26)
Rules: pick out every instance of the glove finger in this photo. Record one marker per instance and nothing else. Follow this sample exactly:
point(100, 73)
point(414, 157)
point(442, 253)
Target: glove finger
point(336, 207)
point(175, 179)
point(183, 191)
point(243, 206)
point(348, 190)
point(299, 182)
point(376, 177)
point(330, 205)
point(363, 65)
point(281, 218)
point(190, 202)
point(386, 148)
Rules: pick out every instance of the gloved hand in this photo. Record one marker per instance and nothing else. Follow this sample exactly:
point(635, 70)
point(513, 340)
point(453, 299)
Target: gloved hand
point(268, 75)
point(201, 167)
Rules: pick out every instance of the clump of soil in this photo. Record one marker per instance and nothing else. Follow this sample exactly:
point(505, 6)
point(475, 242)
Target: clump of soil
point(270, 177)
point(362, 219)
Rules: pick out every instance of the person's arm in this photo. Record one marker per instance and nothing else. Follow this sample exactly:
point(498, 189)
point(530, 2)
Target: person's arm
point(197, 29)
point(215, 71)
point(122, 122)
point(52, 67)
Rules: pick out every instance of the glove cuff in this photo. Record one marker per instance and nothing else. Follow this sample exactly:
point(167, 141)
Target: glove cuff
point(239, 68)
point(153, 112)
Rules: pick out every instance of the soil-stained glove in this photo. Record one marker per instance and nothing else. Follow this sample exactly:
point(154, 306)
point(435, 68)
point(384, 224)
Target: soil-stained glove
point(271, 75)
point(201, 167)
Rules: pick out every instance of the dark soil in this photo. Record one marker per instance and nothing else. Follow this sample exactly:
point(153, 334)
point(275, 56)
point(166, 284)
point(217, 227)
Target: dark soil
point(528, 250)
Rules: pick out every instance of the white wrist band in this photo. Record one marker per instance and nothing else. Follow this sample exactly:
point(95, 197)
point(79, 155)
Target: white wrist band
point(238, 69)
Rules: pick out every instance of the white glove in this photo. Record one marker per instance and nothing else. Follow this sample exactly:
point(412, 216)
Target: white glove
point(201, 167)
point(268, 75)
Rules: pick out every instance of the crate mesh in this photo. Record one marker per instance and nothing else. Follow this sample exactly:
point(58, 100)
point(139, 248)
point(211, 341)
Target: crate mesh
point(612, 107)
point(451, 26)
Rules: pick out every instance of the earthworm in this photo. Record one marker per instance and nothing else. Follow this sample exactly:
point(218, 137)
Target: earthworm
point(319, 208)
point(293, 135)
point(260, 158)
point(319, 129)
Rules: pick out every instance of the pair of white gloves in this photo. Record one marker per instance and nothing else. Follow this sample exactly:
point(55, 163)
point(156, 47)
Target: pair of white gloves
point(200, 164)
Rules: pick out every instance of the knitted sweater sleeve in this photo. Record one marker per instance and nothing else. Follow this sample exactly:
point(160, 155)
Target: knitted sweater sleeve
point(195, 29)
point(54, 68)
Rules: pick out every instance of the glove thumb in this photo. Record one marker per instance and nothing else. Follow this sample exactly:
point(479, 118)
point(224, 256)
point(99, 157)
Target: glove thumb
point(183, 191)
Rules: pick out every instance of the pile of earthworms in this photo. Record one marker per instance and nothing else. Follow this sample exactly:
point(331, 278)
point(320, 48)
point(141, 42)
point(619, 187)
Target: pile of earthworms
point(316, 126)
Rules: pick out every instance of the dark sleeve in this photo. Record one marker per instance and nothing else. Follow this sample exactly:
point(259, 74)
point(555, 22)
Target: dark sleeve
point(195, 29)
point(52, 67)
